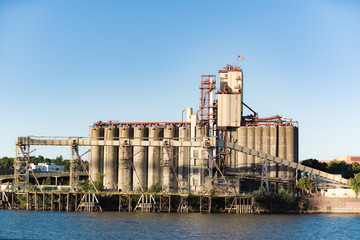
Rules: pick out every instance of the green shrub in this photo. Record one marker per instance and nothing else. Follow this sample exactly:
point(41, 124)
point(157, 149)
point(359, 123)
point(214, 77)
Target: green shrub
point(155, 188)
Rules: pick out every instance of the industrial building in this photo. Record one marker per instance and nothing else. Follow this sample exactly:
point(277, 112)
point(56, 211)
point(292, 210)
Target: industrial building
point(197, 169)
point(46, 168)
point(217, 150)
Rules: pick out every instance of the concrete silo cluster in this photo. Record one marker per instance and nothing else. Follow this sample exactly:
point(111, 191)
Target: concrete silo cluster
point(190, 169)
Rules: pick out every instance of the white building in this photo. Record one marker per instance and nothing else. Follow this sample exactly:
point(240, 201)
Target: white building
point(47, 168)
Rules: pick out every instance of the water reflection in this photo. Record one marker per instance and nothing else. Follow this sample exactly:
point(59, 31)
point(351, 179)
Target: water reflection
point(114, 225)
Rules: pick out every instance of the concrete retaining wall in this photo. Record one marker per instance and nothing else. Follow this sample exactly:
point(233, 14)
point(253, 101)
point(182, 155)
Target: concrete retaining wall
point(335, 205)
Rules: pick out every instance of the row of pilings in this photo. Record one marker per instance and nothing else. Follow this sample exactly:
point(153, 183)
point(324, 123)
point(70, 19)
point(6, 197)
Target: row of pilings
point(147, 202)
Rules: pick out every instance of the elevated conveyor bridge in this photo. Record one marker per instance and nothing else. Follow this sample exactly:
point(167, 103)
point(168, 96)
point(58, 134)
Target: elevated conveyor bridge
point(206, 142)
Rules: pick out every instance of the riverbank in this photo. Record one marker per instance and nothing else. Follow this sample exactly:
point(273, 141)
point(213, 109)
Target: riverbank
point(282, 202)
point(131, 202)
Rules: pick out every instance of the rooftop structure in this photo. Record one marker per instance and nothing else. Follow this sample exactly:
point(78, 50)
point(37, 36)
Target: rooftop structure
point(47, 168)
point(349, 159)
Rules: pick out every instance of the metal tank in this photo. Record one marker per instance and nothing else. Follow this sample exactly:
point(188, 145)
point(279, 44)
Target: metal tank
point(154, 168)
point(110, 159)
point(242, 157)
point(96, 160)
point(125, 169)
point(140, 161)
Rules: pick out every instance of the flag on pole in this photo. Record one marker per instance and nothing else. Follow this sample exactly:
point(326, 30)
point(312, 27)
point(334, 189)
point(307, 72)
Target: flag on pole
point(241, 58)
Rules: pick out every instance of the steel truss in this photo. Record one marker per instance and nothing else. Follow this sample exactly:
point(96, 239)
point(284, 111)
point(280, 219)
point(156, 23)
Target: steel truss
point(90, 203)
point(125, 203)
point(184, 204)
point(146, 203)
point(168, 162)
point(165, 203)
point(205, 204)
point(22, 167)
point(241, 205)
point(265, 177)
point(4, 201)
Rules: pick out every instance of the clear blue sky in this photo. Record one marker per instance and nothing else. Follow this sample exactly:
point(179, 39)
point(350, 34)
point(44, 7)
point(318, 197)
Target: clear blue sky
point(67, 64)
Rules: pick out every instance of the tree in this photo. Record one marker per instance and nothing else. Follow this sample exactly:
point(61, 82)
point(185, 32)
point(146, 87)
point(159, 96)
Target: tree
point(58, 160)
point(337, 166)
point(67, 165)
point(155, 188)
point(305, 185)
point(99, 182)
point(355, 184)
point(46, 181)
point(86, 185)
point(355, 167)
point(47, 160)
point(313, 163)
point(6, 162)
point(40, 159)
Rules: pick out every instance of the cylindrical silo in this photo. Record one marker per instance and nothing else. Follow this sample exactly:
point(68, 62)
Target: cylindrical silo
point(242, 157)
point(282, 151)
point(140, 161)
point(167, 174)
point(175, 159)
point(184, 154)
point(251, 145)
point(197, 178)
point(273, 151)
point(96, 160)
point(110, 159)
point(154, 168)
point(125, 169)
point(233, 154)
point(290, 148)
point(258, 147)
point(296, 143)
point(266, 144)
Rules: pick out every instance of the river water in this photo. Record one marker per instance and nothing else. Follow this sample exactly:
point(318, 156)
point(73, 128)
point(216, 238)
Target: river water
point(17, 224)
